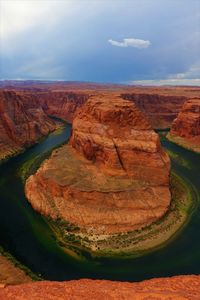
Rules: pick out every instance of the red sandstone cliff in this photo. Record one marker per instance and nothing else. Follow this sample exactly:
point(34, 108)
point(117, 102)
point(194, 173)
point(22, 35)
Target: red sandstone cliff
point(185, 129)
point(160, 109)
point(112, 177)
point(114, 134)
point(176, 288)
point(62, 104)
point(22, 122)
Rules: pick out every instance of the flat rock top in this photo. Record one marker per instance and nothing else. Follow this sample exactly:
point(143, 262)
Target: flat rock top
point(108, 109)
point(176, 288)
point(67, 167)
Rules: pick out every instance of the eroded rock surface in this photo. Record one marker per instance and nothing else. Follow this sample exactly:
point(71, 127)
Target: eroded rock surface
point(185, 129)
point(113, 176)
point(176, 288)
point(160, 109)
point(62, 104)
point(22, 123)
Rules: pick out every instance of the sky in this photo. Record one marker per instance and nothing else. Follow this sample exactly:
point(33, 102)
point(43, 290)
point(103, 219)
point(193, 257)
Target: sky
point(114, 41)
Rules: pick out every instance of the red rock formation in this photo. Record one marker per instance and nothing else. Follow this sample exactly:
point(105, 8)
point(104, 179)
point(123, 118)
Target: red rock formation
point(186, 127)
point(62, 104)
point(176, 288)
point(160, 104)
point(114, 175)
point(22, 122)
point(114, 134)
point(161, 110)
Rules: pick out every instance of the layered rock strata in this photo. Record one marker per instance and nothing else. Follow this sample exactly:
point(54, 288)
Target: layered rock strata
point(176, 288)
point(185, 129)
point(161, 110)
point(112, 177)
point(62, 104)
point(22, 123)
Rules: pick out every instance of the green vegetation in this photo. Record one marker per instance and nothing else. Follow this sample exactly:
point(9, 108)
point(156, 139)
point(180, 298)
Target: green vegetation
point(31, 166)
point(183, 142)
point(17, 264)
point(180, 160)
point(132, 243)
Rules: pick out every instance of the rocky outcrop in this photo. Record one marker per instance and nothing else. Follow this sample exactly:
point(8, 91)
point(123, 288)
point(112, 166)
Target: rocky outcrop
point(10, 274)
point(160, 109)
point(116, 136)
point(22, 122)
point(112, 177)
point(176, 288)
point(185, 129)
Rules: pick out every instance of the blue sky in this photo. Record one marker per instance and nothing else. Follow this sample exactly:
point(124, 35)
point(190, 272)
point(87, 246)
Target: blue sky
point(129, 41)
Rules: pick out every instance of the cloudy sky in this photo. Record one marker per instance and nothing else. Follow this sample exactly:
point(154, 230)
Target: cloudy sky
point(128, 41)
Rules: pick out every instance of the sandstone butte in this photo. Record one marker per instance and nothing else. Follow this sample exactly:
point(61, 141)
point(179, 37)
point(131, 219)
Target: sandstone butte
point(112, 177)
point(174, 288)
point(22, 123)
point(185, 129)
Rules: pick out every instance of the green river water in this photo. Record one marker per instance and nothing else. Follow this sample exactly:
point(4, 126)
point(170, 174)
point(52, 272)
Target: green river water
point(27, 236)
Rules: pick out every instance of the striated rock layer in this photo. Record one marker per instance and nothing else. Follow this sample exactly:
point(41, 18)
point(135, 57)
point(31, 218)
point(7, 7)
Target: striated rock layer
point(161, 110)
point(22, 123)
point(185, 129)
point(176, 288)
point(62, 104)
point(112, 177)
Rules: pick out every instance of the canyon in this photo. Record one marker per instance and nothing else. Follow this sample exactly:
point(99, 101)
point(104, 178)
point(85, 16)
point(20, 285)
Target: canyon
point(176, 288)
point(112, 177)
point(26, 106)
point(22, 123)
point(105, 163)
point(185, 129)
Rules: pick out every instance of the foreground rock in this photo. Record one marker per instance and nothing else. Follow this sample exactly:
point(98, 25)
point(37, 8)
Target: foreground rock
point(22, 123)
point(113, 176)
point(9, 274)
point(176, 288)
point(185, 129)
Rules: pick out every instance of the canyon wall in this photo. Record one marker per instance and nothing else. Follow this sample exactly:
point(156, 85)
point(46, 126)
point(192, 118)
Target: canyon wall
point(160, 109)
point(185, 129)
point(22, 122)
point(62, 104)
point(176, 288)
point(37, 100)
point(112, 177)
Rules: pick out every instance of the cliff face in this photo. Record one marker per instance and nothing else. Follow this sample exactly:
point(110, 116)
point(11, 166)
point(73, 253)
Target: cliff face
point(185, 129)
point(176, 288)
point(114, 134)
point(112, 177)
point(161, 110)
point(22, 122)
point(62, 104)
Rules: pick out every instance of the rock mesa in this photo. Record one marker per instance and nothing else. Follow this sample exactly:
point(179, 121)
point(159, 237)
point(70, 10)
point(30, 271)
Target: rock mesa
point(113, 176)
point(185, 129)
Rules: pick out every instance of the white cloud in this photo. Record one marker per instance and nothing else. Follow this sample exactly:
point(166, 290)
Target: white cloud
point(130, 42)
point(159, 82)
point(192, 73)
